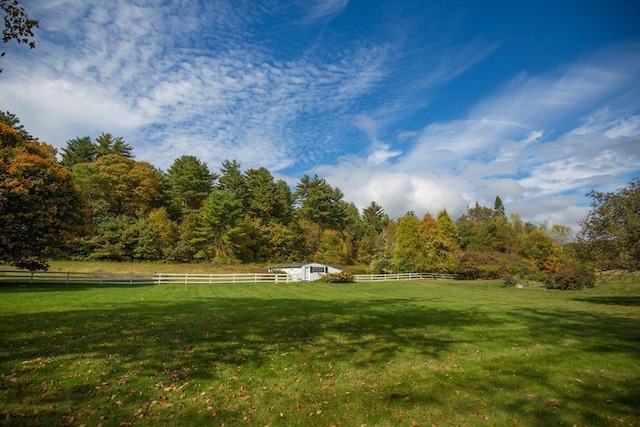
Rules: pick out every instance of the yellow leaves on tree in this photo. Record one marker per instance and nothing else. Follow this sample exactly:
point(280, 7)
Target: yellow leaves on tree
point(118, 185)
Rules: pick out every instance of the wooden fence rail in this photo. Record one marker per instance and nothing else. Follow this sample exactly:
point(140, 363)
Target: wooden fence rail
point(138, 279)
point(403, 276)
point(99, 278)
point(166, 278)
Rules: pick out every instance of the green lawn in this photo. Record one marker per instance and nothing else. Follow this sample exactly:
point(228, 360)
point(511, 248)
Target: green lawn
point(381, 354)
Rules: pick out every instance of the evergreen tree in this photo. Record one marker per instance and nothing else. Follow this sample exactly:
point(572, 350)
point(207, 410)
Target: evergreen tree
point(320, 203)
point(263, 200)
point(374, 223)
point(233, 181)
point(13, 122)
point(108, 144)
point(219, 227)
point(78, 150)
point(189, 183)
point(498, 208)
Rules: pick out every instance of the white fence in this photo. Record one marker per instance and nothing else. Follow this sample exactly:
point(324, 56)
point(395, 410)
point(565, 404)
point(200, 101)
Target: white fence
point(138, 279)
point(168, 278)
point(403, 276)
point(186, 279)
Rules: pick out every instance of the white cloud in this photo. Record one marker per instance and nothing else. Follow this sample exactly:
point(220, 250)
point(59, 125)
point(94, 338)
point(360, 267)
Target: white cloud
point(121, 69)
point(625, 127)
point(510, 146)
point(533, 136)
point(381, 153)
point(201, 80)
point(324, 10)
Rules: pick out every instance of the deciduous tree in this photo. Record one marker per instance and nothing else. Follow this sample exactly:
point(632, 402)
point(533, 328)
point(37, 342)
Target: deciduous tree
point(41, 210)
point(409, 245)
point(157, 236)
point(13, 121)
point(17, 24)
point(611, 229)
point(117, 185)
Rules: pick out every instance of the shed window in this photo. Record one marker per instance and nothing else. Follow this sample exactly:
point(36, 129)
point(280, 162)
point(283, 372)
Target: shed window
point(321, 269)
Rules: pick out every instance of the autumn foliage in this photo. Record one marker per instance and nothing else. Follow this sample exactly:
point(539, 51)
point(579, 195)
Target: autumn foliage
point(41, 210)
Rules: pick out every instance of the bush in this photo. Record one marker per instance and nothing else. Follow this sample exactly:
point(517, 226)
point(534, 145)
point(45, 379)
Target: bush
point(511, 280)
point(343, 277)
point(571, 277)
point(490, 265)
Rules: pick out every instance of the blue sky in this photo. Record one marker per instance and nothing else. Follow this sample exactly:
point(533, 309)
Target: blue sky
point(417, 105)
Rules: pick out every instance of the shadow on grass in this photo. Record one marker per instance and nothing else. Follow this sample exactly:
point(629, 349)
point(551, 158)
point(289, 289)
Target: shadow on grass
point(233, 330)
point(631, 301)
point(138, 352)
point(76, 357)
point(63, 287)
point(570, 342)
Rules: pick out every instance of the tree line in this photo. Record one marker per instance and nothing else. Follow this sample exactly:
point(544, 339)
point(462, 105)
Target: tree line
point(99, 203)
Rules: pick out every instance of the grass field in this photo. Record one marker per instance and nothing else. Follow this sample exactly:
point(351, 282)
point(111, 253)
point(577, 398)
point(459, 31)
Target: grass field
point(384, 354)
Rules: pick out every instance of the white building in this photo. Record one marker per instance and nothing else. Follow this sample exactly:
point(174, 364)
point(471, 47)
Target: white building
point(304, 272)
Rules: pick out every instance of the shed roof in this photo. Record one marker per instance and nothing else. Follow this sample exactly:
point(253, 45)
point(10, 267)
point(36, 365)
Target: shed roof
point(296, 265)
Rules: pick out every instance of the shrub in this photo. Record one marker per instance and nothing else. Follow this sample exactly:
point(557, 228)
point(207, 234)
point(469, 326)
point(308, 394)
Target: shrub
point(511, 280)
point(342, 277)
point(571, 277)
point(490, 265)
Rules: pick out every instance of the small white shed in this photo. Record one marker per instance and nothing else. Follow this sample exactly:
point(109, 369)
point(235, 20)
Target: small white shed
point(304, 272)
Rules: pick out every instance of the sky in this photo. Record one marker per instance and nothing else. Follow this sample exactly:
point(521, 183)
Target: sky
point(414, 104)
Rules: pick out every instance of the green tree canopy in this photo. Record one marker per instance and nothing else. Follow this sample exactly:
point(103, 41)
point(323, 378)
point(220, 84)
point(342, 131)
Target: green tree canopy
point(233, 181)
point(263, 197)
point(83, 150)
point(78, 150)
point(320, 203)
point(611, 229)
point(108, 144)
point(189, 183)
point(219, 226)
point(409, 245)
